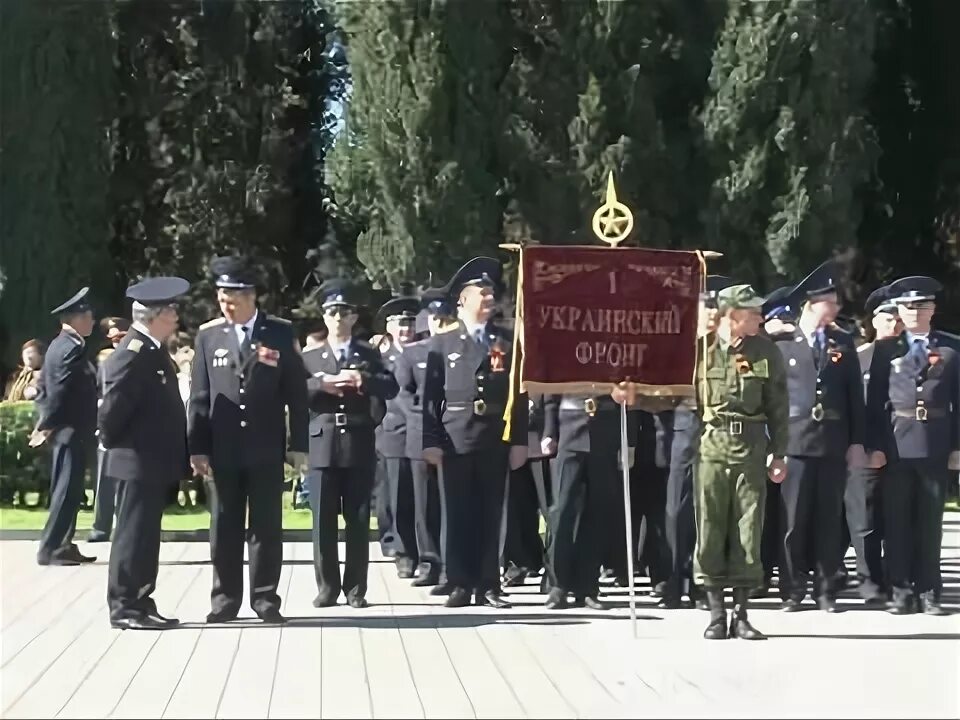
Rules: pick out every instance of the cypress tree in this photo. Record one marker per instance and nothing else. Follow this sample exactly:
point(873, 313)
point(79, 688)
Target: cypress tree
point(56, 100)
point(415, 169)
point(786, 128)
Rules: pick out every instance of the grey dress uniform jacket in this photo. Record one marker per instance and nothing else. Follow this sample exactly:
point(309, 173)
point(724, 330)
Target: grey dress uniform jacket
point(913, 406)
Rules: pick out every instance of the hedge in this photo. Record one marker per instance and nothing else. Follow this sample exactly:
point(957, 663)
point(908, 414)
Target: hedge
point(23, 469)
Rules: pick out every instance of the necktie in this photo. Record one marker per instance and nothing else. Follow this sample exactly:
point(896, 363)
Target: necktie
point(244, 342)
point(818, 348)
point(919, 350)
point(481, 337)
point(343, 357)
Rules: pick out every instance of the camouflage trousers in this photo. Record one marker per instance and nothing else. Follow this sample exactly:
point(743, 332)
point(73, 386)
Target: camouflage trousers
point(729, 503)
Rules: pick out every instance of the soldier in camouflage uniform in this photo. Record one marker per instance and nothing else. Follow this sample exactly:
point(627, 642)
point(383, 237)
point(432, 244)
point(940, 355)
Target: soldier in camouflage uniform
point(743, 404)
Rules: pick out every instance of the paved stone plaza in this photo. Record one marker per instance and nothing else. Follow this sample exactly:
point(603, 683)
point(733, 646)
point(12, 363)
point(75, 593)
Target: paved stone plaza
point(406, 656)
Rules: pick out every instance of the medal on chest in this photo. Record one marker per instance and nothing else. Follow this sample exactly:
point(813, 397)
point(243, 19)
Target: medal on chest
point(497, 355)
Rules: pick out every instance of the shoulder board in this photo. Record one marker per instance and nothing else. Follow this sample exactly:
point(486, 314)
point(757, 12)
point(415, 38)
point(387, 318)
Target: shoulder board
point(312, 348)
point(135, 345)
point(363, 345)
point(213, 323)
point(279, 320)
point(864, 347)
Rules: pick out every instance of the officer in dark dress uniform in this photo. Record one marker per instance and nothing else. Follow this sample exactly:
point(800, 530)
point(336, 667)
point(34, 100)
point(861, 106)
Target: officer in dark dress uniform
point(681, 427)
point(826, 435)
point(428, 494)
point(465, 396)
point(67, 401)
point(143, 427)
point(863, 497)
point(523, 551)
point(248, 382)
point(585, 477)
point(347, 390)
point(105, 497)
point(913, 410)
point(779, 317)
point(397, 317)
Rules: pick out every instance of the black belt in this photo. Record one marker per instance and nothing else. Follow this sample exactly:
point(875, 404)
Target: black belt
point(479, 407)
point(922, 413)
point(349, 419)
point(818, 414)
point(733, 427)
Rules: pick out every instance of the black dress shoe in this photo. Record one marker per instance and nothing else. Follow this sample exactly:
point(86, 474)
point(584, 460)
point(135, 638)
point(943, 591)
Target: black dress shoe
point(658, 590)
point(441, 589)
point(670, 601)
point(55, 561)
point(591, 603)
point(272, 616)
point(515, 576)
point(759, 593)
point(931, 606)
point(556, 600)
point(144, 622)
point(790, 605)
point(741, 629)
point(357, 602)
point(717, 629)
point(459, 597)
point(901, 606)
point(322, 601)
point(426, 580)
point(492, 598)
point(222, 616)
point(168, 622)
point(68, 556)
point(827, 604)
point(96, 536)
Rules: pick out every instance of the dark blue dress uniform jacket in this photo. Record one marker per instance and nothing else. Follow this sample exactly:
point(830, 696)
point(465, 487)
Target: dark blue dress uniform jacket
point(342, 427)
point(142, 419)
point(236, 414)
point(465, 394)
point(67, 388)
point(835, 388)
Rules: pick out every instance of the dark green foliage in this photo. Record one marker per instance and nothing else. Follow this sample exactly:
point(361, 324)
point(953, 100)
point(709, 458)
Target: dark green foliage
point(23, 469)
point(215, 142)
point(56, 100)
point(786, 128)
point(912, 220)
point(415, 170)
point(598, 86)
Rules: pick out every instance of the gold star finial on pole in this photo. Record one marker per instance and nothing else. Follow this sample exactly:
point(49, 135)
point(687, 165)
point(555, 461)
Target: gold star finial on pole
point(613, 221)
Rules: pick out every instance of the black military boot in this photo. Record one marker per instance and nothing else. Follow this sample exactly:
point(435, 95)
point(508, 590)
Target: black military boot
point(740, 627)
point(717, 629)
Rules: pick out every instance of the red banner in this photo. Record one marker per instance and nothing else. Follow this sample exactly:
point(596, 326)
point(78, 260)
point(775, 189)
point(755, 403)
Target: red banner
point(592, 317)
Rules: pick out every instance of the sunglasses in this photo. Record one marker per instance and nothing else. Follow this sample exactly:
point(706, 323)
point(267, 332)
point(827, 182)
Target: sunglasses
point(341, 310)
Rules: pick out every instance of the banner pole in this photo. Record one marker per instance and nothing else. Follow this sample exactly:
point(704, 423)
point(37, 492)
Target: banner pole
point(628, 515)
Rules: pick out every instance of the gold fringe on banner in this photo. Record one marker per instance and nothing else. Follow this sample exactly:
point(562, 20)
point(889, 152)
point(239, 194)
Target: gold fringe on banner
point(517, 354)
